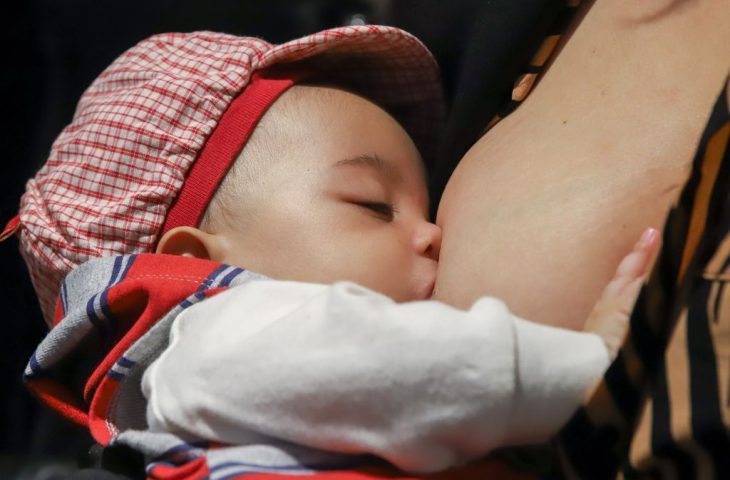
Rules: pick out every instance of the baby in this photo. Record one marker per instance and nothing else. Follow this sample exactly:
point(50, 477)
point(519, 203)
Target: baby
point(331, 188)
point(302, 180)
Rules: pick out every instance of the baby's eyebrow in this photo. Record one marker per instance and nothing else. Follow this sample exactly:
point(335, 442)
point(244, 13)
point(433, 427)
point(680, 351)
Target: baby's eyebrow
point(370, 161)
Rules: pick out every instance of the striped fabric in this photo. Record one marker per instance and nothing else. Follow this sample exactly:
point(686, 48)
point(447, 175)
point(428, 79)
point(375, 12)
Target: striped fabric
point(663, 407)
point(526, 81)
point(115, 315)
point(106, 306)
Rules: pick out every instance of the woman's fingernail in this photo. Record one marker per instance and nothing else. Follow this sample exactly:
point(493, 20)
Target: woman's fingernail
point(648, 236)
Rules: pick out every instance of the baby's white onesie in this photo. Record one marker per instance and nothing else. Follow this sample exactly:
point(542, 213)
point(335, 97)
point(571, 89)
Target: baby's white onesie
point(344, 369)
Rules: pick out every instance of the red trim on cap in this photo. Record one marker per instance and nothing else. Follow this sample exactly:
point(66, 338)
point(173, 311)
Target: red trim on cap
point(222, 149)
point(11, 228)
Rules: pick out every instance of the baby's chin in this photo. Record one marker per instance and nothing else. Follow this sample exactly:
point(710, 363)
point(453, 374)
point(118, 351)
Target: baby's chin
point(424, 291)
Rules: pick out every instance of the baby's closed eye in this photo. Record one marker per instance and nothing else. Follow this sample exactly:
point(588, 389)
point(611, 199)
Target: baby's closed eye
point(384, 210)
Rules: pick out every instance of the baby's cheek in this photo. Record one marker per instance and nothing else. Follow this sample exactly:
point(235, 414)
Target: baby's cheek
point(403, 286)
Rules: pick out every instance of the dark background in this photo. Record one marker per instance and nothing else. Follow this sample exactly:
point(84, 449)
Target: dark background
point(54, 49)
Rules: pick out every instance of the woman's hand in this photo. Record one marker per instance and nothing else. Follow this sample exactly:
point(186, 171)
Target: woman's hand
point(610, 315)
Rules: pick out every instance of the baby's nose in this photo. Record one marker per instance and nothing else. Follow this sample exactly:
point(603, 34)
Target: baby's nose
point(428, 240)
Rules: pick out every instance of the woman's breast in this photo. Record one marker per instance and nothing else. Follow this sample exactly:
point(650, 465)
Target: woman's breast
point(542, 208)
point(542, 225)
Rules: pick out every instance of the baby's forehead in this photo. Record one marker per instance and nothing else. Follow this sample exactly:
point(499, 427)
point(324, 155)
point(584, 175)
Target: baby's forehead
point(302, 101)
point(328, 131)
point(318, 112)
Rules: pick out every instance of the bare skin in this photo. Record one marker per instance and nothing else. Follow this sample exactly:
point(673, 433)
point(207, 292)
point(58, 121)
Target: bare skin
point(542, 208)
point(323, 210)
point(342, 197)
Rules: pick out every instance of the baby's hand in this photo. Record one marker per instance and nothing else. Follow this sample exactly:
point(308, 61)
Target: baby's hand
point(610, 315)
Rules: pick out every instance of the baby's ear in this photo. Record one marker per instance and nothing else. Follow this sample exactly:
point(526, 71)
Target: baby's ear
point(186, 242)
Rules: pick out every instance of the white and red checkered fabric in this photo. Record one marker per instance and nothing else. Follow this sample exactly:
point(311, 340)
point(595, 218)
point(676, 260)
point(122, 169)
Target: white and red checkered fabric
point(114, 171)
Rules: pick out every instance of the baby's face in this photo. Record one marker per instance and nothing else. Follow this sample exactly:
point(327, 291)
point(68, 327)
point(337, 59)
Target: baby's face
point(346, 200)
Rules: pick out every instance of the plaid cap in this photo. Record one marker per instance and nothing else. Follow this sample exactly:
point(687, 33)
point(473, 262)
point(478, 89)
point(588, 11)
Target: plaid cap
point(116, 171)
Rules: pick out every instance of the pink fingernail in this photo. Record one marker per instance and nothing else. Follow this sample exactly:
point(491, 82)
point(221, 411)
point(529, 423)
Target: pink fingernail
point(648, 236)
